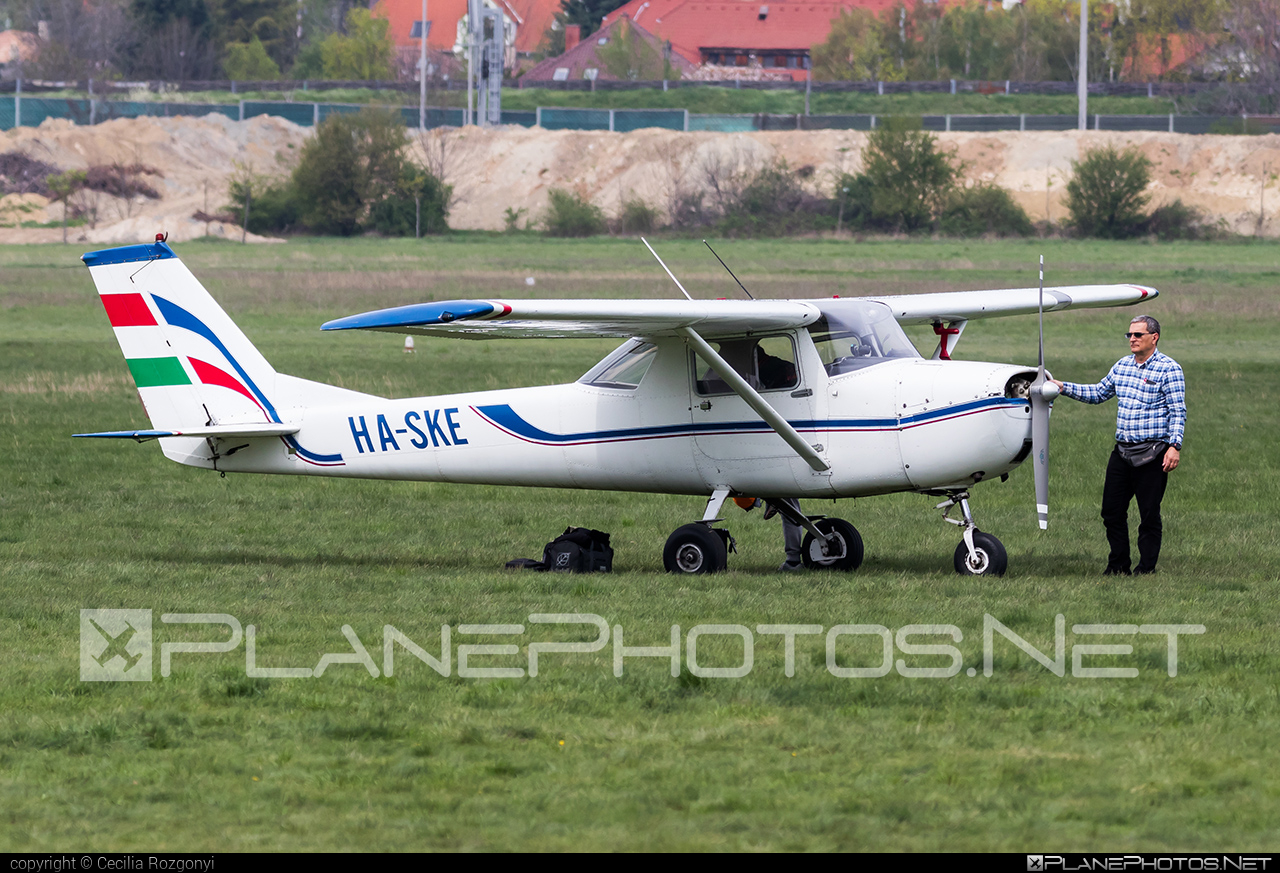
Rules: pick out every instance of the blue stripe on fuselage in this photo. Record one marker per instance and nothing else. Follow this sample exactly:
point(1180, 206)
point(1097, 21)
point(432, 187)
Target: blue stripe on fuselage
point(511, 421)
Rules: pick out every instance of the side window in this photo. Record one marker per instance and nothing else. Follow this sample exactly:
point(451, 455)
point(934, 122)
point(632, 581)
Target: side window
point(767, 364)
point(625, 368)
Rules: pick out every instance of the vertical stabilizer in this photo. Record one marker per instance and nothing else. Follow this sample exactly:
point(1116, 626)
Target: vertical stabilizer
point(193, 366)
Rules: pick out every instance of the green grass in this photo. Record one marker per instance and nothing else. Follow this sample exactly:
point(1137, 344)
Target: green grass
point(711, 100)
point(209, 759)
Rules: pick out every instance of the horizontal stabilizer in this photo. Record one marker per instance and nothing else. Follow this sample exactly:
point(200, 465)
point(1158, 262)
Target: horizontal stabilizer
point(223, 431)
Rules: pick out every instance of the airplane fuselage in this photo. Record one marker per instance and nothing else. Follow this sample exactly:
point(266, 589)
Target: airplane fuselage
point(904, 424)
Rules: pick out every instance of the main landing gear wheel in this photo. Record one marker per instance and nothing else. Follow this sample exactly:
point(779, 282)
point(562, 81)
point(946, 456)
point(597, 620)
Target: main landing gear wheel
point(842, 552)
point(990, 558)
point(695, 549)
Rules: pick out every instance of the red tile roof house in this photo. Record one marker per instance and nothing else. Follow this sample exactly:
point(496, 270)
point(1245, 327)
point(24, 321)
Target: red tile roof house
point(582, 61)
point(524, 24)
point(733, 36)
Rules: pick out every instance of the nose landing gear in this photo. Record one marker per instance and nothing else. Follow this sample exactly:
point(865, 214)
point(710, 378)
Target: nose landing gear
point(979, 554)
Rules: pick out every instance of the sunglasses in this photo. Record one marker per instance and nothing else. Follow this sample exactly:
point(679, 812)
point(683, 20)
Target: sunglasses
point(1135, 335)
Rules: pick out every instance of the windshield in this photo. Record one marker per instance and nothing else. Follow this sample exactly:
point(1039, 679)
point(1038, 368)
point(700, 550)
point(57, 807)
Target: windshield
point(853, 334)
point(624, 368)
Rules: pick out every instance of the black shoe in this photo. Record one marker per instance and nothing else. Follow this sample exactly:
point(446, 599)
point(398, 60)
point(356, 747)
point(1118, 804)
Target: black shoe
point(1116, 571)
point(1141, 572)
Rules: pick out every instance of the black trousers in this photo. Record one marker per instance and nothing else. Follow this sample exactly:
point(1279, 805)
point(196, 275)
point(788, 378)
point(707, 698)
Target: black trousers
point(1124, 483)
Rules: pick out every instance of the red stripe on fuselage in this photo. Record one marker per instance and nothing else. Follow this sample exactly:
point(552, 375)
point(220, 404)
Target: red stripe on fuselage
point(127, 310)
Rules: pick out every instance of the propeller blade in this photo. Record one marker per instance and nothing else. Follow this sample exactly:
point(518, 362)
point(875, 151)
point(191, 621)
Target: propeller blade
point(1040, 404)
point(1040, 451)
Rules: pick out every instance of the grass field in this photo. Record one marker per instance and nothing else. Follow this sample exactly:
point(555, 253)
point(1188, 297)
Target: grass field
point(575, 759)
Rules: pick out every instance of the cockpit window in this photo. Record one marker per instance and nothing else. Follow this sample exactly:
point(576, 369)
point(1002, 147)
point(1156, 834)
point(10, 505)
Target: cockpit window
point(853, 334)
point(766, 363)
point(625, 368)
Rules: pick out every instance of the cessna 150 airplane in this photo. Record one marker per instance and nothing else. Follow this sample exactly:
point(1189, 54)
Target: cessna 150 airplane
point(727, 398)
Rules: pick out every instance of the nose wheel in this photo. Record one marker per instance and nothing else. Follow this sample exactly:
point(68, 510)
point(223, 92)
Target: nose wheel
point(979, 554)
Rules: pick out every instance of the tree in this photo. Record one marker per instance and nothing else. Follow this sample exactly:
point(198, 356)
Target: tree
point(1106, 196)
point(250, 62)
point(365, 53)
point(271, 21)
point(62, 186)
point(855, 50)
point(907, 177)
point(977, 41)
point(85, 39)
point(630, 57)
point(586, 13)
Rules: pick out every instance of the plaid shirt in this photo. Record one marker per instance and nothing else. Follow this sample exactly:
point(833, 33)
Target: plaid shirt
point(1153, 398)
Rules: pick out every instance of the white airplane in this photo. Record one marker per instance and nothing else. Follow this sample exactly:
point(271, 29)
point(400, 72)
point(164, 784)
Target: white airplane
point(721, 398)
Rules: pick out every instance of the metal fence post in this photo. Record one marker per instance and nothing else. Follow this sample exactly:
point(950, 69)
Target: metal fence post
point(1097, 122)
point(242, 110)
point(611, 111)
point(1022, 121)
point(953, 86)
point(948, 117)
point(1149, 94)
point(873, 122)
point(1170, 122)
point(537, 117)
point(315, 115)
point(17, 103)
point(1006, 87)
point(686, 121)
point(880, 88)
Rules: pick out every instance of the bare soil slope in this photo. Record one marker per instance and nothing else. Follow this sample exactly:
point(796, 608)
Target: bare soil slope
point(499, 169)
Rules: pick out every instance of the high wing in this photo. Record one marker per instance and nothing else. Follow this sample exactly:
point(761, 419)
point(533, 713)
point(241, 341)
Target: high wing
point(491, 319)
point(967, 305)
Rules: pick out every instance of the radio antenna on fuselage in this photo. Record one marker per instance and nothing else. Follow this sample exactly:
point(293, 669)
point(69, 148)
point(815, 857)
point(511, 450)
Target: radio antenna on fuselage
point(726, 266)
point(664, 266)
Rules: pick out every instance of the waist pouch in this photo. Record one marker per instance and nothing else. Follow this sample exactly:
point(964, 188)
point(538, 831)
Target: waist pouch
point(1141, 454)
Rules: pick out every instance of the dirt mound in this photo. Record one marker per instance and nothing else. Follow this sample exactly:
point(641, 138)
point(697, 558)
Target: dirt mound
point(499, 172)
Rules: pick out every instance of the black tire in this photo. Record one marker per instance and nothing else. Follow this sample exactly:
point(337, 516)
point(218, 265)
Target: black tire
point(993, 560)
point(846, 551)
point(695, 549)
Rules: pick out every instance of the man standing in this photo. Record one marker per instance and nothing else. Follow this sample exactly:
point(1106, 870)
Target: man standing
point(1152, 414)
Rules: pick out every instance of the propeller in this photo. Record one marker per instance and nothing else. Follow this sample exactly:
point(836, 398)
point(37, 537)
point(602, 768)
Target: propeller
point(1042, 394)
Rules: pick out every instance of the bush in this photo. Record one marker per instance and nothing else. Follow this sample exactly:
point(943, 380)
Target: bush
point(908, 179)
point(417, 204)
point(637, 217)
point(570, 215)
point(774, 203)
point(984, 209)
point(1106, 196)
point(1177, 220)
point(853, 201)
point(273, 207)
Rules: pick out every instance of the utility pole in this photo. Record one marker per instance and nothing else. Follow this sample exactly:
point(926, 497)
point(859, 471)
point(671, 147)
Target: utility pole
point(422, 74)
point(1082, 85)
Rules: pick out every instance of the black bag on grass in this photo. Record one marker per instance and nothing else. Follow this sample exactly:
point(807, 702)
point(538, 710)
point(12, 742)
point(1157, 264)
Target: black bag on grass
point(579, 550)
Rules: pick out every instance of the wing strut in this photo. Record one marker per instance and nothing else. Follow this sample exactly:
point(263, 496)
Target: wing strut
point(754, 400)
